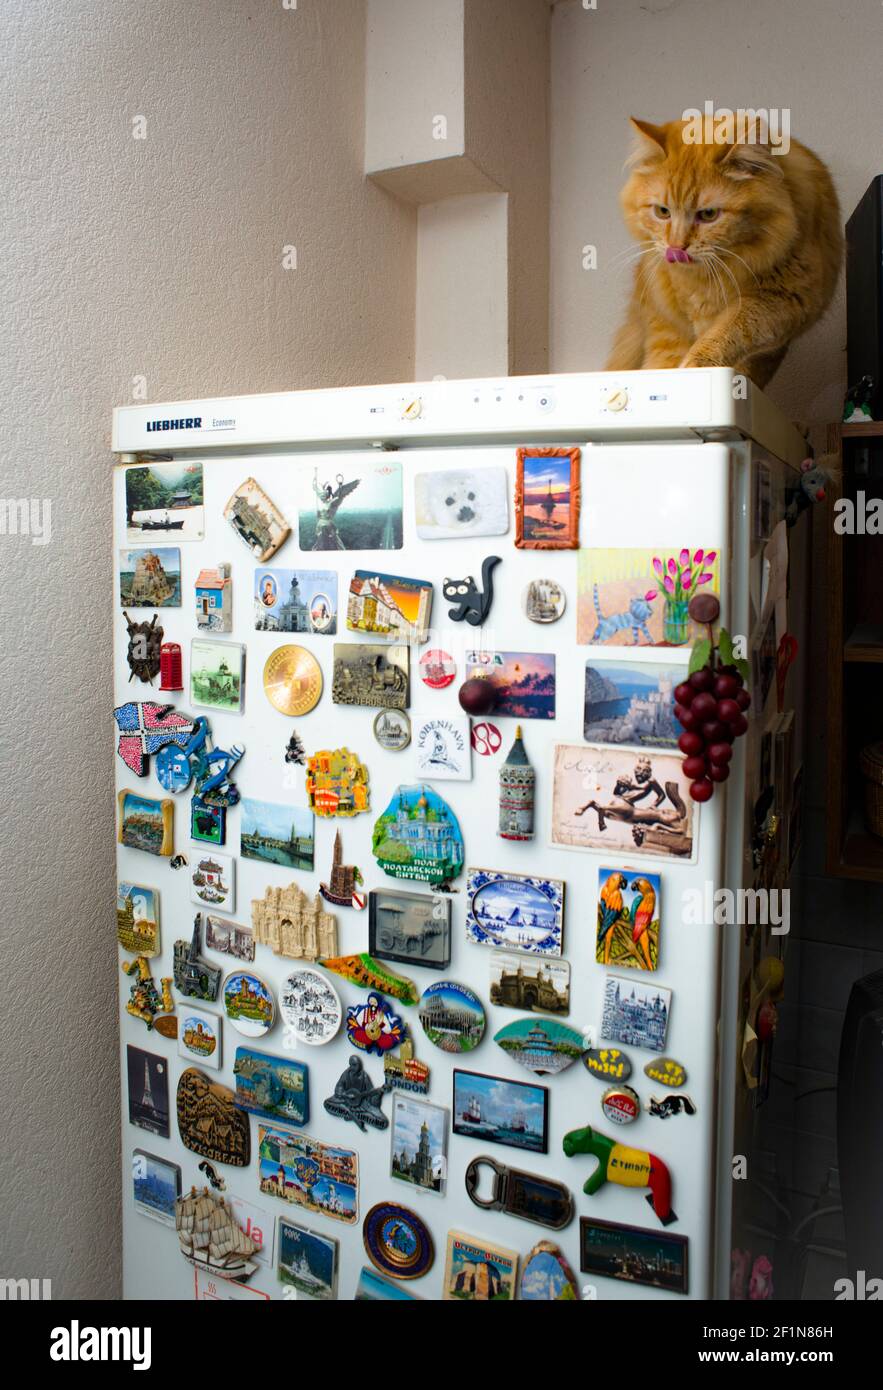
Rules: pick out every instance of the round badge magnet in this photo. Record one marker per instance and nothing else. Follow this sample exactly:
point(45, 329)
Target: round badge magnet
point(292, 680)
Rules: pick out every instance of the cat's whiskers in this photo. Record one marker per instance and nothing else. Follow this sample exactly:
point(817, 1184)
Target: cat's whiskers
point(716, 260)
point(725, 251)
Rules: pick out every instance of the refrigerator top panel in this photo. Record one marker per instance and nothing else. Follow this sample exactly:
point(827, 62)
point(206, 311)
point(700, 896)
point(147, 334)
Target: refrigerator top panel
point(708, 404)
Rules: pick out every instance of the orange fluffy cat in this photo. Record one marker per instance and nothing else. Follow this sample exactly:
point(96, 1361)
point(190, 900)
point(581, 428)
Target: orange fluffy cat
point(741, 252)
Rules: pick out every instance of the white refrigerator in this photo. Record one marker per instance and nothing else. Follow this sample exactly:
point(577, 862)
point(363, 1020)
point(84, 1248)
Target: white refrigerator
point(668, 460)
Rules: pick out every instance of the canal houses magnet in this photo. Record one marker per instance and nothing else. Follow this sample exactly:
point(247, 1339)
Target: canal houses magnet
point(542, 1045)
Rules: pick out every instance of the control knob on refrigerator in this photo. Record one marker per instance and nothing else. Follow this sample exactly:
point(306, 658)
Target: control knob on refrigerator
point(617, 398)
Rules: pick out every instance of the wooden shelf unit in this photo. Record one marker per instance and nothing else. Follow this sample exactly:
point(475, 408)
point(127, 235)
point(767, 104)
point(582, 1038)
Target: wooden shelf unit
point(855, 654)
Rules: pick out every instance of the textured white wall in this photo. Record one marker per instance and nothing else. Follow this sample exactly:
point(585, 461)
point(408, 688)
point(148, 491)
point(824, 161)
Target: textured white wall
point(654, 58)
point(159, 258)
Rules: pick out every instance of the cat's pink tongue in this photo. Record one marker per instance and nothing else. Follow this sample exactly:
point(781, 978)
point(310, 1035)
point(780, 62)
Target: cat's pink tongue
point(677, 253)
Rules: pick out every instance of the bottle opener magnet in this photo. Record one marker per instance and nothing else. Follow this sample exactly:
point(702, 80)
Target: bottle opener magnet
point(533, 1198)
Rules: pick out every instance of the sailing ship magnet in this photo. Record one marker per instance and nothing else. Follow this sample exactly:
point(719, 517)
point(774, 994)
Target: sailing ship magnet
point(210, 1237)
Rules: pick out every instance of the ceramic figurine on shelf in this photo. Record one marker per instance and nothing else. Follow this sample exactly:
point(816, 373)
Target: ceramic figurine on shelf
point(145, 645)
point(214, 599)
point(858, 402)
point(517, 781)
point(145, 1000)
point(357, 1099)
point(195, 977)
point(625, 1166)
point(472, 604)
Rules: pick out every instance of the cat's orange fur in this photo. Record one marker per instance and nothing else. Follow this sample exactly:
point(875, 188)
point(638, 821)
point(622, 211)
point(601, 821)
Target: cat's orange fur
point(759, 274)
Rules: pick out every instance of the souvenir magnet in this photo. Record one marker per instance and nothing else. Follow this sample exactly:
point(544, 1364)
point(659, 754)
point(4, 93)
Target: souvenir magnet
point(523, 685)
point(295, 751)
point(173, 770)
point(656, 1259)
point(392, 729)
point(373, 1027)
point(627, 1167)
point(337, 783)
point(517, 781)
point(356, 1098)
point(418, 1144)
point(156, 1185)
point(478, 1272)
point(209, 1123)
point(217, 674)
point(145, 1000)
point(212, 766)
point(397, 1241)
point(138, 919)
point(628, 919)
point(515, 1113)
point(271, 1088)
point(364, 970)
point(666, 1071)
point(621, 1104)
point(165, 500)
point(228, 1254)
point(256, 520)
point(547, 497)
point(437, 669)
point(526, 1195)
point(442, 748)
point(167, 1026)
point(409, 927)
point(544, 1046)
point(368, 673)
point(471, 603)
point(280, 834)
point(607, 1063)
point(540, 985)
point(319, 1177)
point(635, 1014)
point(546, 1277)
point(455, 504)
point(418, 837)
point(403, 1071)
point(199, 1038)
point(207, 823)
point(386, 605)
point(143, 651)
point(213, 881)
point(151, 578)
point(292, 680)
point(195, 977)
point(515, 911)
point(171, 670)
point(214, 1177)
point(230, 938)
point(147, 1076)
point(214, 599)
point(543, 601)
point(671, 1105)
point(307, 1261)
point(146, 727)
point(311, 1009)
point(374, 1287)
point(146, 823)
point(452, 1016)
point(248, 1004)
point(345, 881)
point(292, 925)
point(486, 739)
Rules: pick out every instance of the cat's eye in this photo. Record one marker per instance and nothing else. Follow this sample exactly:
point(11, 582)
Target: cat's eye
point(661, 211)
point(708, 214)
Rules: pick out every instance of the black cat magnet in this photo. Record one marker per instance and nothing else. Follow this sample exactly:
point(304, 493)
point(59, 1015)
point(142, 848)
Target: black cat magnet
point(471, 604)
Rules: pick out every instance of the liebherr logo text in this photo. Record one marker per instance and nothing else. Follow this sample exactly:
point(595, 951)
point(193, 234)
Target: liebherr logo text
point(189, 424)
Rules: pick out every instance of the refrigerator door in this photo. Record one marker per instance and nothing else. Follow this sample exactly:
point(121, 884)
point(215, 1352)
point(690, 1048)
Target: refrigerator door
point(657, 497)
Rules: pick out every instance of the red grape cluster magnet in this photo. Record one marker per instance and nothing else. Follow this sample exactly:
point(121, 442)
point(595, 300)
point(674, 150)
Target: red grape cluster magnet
point(710, 704)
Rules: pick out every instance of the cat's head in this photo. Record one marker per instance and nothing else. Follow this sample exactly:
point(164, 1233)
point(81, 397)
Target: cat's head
point(692, 202)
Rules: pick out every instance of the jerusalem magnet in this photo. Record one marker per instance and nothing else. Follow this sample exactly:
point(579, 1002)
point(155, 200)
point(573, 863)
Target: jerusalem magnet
point(397, 1241)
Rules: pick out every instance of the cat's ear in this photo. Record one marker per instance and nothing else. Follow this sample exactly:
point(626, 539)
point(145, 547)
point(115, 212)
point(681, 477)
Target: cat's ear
point(649, 148)
point(751, 160)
